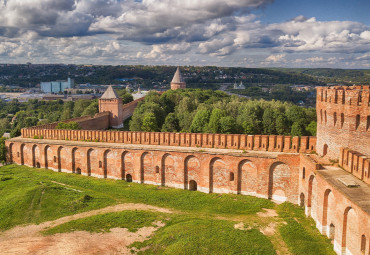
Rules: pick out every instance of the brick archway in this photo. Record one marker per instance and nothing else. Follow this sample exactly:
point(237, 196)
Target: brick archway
point(344, 231)
point(325, 210)
point(279, 181)
point(34, 147)
point(11, 153)
point(247, 177)
point(166, 168)
point(105, 163)
point(211, 172)
point(123, 165)
point(46, 160)
point(22, 153)
point(89, 152)
point(59, 155)
point(191, 168)
point(74, 159)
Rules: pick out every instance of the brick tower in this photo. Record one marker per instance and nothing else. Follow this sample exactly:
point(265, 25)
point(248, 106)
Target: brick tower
point(177, 81)
point(343, 119)
point(110, 102)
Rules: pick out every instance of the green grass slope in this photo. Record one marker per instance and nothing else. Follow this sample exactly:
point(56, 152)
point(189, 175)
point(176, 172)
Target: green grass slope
point(201, 223)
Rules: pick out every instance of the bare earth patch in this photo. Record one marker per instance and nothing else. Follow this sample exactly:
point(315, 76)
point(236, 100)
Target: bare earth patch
point(269, 230)
point(28, 240)
point(268, 213)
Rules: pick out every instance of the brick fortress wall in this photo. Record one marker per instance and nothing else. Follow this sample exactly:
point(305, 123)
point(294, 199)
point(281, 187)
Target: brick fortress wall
point(343, 120)
point(271, 143)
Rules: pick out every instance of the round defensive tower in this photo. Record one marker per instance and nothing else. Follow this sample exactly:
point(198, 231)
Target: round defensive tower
point(178, 81)
point(343, 120)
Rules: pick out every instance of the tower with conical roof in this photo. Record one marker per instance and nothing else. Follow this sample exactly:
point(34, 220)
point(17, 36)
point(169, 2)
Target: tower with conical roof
point(178, 81)
point(110, 102)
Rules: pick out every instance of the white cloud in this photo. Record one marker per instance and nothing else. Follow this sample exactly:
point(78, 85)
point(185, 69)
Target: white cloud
point(276, 58)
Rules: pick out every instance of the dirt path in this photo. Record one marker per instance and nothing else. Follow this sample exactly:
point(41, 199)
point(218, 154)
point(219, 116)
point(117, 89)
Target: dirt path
point(28, 240)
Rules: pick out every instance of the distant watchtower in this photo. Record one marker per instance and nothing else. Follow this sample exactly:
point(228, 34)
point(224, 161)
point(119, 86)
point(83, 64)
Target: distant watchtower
point(177, 81)
point(110, 102)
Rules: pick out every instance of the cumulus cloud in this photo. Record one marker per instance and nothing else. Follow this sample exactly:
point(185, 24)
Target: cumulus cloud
point(159, 30)
point(275, 58)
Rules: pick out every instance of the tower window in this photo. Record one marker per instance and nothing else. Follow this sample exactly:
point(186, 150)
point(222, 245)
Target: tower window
point(357, 121)
point(368, 123)
point(341, 120)
point(335, 119)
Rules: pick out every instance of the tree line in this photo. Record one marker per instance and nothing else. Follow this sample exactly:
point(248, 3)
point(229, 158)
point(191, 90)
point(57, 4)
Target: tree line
point(208, 111)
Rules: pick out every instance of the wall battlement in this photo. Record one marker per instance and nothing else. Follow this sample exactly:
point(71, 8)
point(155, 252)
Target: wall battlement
point(273, 143)
point(349, 95)
point(355, 163)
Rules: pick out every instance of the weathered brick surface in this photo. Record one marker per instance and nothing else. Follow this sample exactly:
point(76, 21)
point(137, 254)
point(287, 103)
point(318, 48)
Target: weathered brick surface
point(343, 116)
point(222, 141)
point(331, 204)
point(264, 176)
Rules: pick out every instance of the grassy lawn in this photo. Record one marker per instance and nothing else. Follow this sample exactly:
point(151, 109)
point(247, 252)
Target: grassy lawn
point(184, 235)
point(202, 223)
point(300, 233)
point(132, 220)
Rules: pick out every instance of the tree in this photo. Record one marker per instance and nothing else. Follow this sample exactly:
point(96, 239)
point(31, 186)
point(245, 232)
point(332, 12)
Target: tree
point(200, 121)
point(282, 124)
point(171, 123)
point(125, 95)
point(67, 110)
point(296, 113)
point(149, 123)
point(2, 150)
point(311, 128)
point(214, 125)
point(269, 122)
point(30, 121)
point(92, 109)
point(69, 125)
point(79, 107)
point(227, 125)
point(297, 129)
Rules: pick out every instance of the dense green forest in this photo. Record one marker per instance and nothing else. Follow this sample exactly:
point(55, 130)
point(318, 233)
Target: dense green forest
point(330, 75)
point(15, 115)
point(208, 111)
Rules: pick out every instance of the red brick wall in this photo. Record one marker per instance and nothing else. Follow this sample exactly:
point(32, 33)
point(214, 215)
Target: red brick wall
point(337, 124)
point(222, 141)
point(128, 109)
point(211, 172)
point(328, 205)
point(279, 177)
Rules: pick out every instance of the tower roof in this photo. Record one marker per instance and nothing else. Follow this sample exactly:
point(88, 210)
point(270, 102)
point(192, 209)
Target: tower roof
point(177, 78)
point(109, 93)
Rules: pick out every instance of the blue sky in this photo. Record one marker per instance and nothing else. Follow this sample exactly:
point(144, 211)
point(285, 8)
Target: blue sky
point(324, 10)
point(247, 33)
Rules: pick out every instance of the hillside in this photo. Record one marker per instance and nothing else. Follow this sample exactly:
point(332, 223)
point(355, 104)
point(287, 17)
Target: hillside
point(129, 217)
point(329, 75)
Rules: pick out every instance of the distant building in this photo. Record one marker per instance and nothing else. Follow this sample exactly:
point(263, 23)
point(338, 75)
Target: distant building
point(178, 81)
point(57, 86)
point(240, 86)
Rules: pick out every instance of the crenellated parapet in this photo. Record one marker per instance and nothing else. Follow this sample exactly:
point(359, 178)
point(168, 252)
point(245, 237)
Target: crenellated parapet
point(343, 119)
point(272, 143)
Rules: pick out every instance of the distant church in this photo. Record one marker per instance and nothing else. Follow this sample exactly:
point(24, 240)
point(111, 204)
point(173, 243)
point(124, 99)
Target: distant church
point(178, 81)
